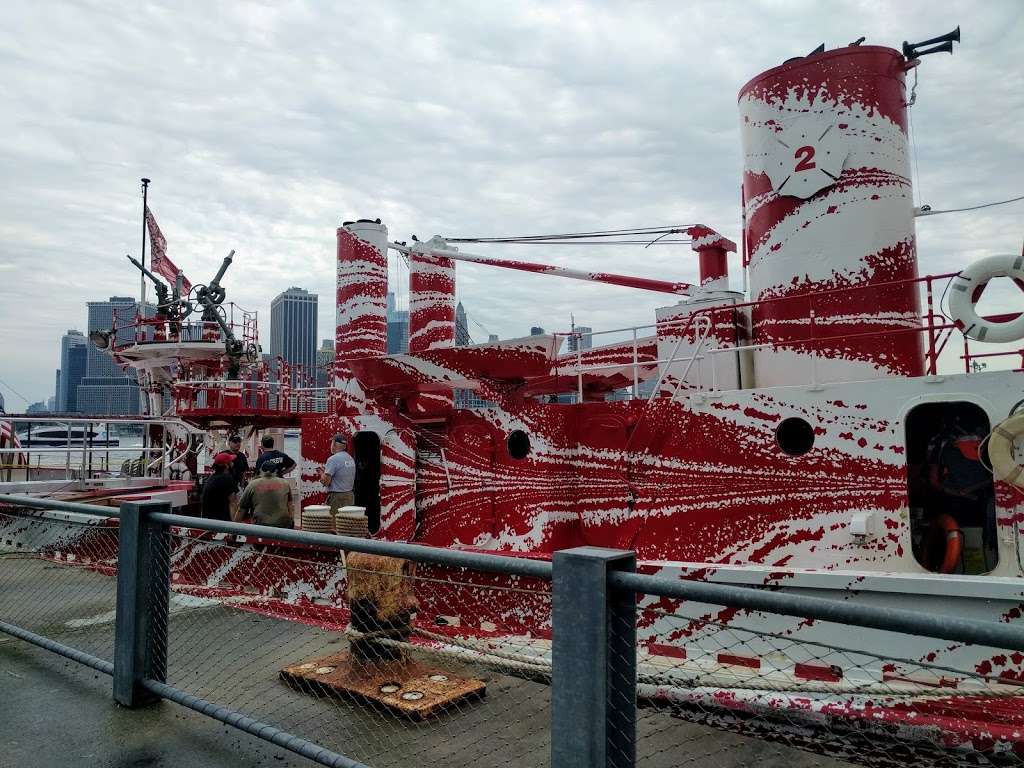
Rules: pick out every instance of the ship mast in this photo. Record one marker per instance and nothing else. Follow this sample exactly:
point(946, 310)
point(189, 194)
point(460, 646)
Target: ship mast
point(142, 276)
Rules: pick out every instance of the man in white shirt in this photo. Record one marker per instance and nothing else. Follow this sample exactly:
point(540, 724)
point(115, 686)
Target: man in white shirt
point(338, 475)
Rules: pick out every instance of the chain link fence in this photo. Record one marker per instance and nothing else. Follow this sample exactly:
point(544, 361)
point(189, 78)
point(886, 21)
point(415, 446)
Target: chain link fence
point(57, 578)
point(461, 659)
point(807, 702)
point(387, 662)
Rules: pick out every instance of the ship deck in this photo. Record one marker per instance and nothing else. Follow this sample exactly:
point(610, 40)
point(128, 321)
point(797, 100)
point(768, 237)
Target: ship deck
point(60, 713)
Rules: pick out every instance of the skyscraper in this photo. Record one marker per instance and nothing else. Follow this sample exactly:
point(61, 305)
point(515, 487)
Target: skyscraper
point(106, 388)
point(324, 358)
point(293, 329)
point(398, 327)
point(536, 331)
point(101, 318)
point(585, 339)
point(462, 338)
point(73, 354)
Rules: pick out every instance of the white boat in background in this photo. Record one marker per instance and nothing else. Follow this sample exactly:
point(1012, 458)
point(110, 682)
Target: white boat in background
point(63, 435)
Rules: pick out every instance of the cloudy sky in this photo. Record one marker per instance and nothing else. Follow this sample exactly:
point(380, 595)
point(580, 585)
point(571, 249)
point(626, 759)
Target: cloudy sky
point(264, 125)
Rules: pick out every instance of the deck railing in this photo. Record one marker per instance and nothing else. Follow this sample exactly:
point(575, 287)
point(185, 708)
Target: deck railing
point(934, 325)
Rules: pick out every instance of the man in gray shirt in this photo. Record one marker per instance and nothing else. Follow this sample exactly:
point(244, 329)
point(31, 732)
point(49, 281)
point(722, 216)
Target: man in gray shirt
point(268, 500)
point(338, 475)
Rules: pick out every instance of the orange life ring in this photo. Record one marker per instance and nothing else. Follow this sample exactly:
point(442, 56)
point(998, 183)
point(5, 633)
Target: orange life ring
point(954, 542)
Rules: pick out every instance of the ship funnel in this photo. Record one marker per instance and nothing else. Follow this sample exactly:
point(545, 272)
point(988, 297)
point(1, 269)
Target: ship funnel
point(362, 287)
point(942, 43)
point(829, 232)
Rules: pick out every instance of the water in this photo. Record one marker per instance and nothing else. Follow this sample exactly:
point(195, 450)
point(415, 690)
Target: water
point(128, 447)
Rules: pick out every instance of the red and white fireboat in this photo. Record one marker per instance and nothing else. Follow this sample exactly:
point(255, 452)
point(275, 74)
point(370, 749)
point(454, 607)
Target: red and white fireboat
point(798, 436)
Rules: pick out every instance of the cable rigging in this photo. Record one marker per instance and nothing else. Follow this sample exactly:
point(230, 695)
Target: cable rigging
point(632, 236)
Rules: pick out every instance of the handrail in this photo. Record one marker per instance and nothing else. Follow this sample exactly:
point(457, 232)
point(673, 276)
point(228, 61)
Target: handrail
point(60, 506)
point(480, 561)
point(989, 633)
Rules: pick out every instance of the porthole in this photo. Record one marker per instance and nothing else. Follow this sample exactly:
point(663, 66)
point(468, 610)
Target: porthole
point(795, 436)
point(518, 444)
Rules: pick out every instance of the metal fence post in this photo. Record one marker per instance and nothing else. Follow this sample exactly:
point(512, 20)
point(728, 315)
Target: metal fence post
point(143, 599)
point(593, 681)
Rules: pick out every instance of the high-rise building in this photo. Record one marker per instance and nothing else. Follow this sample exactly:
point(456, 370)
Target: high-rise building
point(398, 327)
point(462, 338)
point(73, 354)
point(39, 407)
point(324, 358)
point(106, 388)
point(51, 404)
point(491, 338)
point(584, 339)
point(536, 331)
point(293, 329)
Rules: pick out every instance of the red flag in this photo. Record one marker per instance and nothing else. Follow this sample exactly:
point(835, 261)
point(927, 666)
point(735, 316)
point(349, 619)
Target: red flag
point(159, 262)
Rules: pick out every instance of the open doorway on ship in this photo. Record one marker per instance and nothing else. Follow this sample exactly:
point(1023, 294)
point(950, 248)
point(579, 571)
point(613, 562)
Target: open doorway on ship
point(366, 489)
point(952, 498)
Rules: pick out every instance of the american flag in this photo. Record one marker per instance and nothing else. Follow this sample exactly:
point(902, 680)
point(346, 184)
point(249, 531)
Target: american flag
point(159, 263)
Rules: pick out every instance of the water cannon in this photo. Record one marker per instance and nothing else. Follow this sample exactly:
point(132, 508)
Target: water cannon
point(214, 291)
point(211, 296)
point(940, 44)
point(162, 294)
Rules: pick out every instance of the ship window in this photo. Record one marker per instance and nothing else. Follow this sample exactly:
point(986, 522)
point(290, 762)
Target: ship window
point(518, 444)
point(366, 488)
point(795, 436)
point(950, 491)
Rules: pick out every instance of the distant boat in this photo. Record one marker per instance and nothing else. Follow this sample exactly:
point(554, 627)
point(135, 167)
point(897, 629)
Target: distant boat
point(63, 435)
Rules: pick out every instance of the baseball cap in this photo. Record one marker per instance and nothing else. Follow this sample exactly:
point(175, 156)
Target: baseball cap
point(224, 458)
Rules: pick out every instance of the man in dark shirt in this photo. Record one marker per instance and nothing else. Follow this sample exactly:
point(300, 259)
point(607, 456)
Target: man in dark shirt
point(240, 465)
point(220, 492)
point(278, 462)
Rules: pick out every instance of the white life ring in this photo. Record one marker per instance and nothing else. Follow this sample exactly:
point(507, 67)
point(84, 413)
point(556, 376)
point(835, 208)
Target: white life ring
point(1000, 450)
point(961, 299)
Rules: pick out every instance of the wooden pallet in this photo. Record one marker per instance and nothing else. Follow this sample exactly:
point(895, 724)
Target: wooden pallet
point(404, 686)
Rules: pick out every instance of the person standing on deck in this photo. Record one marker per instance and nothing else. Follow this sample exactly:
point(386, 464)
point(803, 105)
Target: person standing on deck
point(220, 491)
point(280, 461)
point(240, 465)
point(338, 475)
point(267, 500)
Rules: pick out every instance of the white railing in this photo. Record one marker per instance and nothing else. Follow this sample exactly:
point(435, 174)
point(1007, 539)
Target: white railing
point(82, 460)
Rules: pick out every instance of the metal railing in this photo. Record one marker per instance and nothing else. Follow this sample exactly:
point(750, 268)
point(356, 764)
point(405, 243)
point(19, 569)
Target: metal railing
point(131, 328)
point(582, 651)
point(87, 452)
point(250, 397)
point(936, 328)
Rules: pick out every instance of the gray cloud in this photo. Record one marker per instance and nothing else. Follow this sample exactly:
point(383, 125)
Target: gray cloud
point(265, 125)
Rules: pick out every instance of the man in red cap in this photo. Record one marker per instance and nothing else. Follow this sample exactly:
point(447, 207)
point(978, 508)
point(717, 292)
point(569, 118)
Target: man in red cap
point(220, 492)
